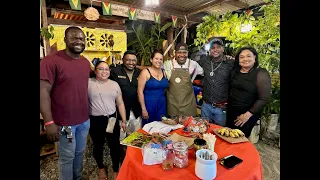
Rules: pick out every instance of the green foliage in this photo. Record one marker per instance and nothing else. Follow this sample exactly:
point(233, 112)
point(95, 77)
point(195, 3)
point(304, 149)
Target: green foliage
point(273, 105)
point(147, 40)
point(264, 36)
point(47, 33)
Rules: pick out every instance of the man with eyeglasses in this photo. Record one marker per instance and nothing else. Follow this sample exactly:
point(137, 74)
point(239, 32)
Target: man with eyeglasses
point(126, 75)
point(181, 71)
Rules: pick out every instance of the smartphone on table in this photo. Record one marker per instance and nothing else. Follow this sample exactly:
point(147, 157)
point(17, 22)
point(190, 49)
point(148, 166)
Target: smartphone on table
point(230, 161)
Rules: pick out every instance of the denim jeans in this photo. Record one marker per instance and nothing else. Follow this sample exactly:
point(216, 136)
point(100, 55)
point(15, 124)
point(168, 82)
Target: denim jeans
point(71, 153)
point(216, 115)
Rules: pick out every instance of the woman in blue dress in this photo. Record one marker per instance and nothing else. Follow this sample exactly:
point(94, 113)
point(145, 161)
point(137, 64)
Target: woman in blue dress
point(151, 90)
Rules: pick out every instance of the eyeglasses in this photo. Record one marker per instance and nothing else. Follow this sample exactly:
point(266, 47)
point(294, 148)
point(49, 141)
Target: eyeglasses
point(101, 69)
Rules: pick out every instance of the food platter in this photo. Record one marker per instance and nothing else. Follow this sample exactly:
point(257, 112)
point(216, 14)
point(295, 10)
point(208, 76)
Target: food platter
point(170, 121)
point(137, 139)
point(229, 139)
point(174, 120)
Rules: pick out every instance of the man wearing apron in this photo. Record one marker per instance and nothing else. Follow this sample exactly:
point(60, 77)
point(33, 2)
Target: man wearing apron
point(181, 71)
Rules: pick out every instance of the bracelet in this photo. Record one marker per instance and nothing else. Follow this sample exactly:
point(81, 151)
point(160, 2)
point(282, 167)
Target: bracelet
point(47, 123)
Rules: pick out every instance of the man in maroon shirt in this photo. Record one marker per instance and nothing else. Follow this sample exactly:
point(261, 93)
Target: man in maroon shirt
point(64, 102)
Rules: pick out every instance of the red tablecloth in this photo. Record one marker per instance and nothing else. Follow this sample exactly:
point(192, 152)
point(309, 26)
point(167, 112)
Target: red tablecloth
point(250, 169)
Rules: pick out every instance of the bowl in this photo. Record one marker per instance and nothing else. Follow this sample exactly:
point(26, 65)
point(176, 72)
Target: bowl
point(199, 144)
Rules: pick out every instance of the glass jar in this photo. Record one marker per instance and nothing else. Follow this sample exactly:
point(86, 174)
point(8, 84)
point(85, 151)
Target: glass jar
point(180, 151)
point(167, 163)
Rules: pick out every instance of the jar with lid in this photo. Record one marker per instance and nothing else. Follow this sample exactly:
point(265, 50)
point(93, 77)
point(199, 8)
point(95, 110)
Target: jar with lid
point(167, 163)
point(180, 151)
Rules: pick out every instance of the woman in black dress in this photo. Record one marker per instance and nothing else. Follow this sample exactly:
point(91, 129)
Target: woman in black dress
point(250, 88)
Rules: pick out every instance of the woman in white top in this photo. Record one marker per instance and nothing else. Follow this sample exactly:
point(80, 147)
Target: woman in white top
point(104, 96)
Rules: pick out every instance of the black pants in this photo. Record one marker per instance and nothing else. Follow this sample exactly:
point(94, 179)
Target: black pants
point(97, 131)
point(233, 112)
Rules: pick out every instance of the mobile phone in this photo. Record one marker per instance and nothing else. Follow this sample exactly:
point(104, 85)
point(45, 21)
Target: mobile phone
point(230, 162)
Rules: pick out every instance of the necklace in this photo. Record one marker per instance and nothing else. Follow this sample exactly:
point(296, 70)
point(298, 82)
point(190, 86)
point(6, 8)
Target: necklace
point(212, 70)
point(157, 72)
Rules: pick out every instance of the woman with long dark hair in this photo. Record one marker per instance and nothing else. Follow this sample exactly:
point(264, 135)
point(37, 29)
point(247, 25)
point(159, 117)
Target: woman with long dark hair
point(250, 88)
point(104, 96)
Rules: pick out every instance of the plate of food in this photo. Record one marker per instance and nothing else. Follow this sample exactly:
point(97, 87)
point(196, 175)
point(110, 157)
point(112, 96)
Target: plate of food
point(137, 139)
point(169, 121)
point(198, 125)
point(230, 135)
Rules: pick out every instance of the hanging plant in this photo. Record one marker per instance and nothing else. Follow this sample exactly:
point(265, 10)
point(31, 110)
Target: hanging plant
point(47, 33)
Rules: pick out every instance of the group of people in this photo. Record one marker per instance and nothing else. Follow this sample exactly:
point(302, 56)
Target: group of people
point(74, 103)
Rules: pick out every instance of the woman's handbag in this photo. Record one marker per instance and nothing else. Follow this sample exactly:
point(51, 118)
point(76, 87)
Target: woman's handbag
point(111, 120)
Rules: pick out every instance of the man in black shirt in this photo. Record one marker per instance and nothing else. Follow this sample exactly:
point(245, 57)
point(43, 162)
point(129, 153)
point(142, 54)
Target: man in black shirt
point(126, 75)
point(217, 68)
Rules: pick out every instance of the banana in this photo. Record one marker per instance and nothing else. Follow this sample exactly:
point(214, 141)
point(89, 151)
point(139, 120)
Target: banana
point(232, 135)
point(222, 131)
point(227, 133)
point(239, 132)
point(235, 133)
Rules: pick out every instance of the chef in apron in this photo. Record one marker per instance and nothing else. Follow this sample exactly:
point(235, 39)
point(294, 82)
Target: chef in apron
point(181, 71)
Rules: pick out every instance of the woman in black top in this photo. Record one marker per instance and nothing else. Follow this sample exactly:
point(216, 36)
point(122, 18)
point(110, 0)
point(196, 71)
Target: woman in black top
point(250, 88)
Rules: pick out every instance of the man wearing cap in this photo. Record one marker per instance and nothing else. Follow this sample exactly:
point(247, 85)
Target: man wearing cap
point(181, 71)
point(217, 68)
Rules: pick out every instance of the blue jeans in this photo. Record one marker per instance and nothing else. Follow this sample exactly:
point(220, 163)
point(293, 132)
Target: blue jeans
point(71, 153)
point(216, 115)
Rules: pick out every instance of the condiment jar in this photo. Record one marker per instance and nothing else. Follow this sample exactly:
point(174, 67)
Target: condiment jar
point(167, 164)
point(180, 151)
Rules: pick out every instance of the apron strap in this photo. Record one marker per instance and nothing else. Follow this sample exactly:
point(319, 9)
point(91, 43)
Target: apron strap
point(172, 64)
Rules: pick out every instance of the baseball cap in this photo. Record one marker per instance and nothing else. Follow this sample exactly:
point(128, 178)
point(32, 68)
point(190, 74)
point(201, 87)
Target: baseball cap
point(216, 40)
point(181, 46)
